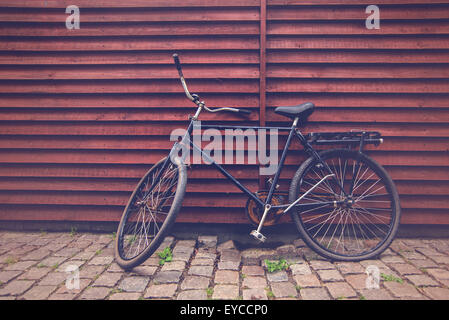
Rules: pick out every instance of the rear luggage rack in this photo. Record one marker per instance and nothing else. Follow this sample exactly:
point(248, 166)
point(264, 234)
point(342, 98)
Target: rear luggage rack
point(346, 138)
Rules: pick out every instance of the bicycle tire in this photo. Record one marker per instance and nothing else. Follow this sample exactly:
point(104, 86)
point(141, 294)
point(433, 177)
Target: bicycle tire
point(308, 223)
point(122, 257)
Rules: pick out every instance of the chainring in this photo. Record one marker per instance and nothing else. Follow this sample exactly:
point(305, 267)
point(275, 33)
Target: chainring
point(254, 212)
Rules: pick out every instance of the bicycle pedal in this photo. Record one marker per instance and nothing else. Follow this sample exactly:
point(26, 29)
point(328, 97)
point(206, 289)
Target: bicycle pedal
point(258, 236)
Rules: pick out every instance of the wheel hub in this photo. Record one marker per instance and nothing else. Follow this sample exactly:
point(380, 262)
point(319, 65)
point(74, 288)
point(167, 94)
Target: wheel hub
point(348, 202)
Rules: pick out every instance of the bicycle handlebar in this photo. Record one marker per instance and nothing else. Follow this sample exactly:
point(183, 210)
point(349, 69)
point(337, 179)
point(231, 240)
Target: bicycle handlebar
point(178, 64)
point(195, 98)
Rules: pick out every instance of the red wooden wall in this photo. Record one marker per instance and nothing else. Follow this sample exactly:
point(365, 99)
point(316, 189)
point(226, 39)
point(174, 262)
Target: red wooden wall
point(84, 113)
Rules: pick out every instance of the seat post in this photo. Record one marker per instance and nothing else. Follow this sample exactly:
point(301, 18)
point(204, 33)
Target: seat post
point(295, 122)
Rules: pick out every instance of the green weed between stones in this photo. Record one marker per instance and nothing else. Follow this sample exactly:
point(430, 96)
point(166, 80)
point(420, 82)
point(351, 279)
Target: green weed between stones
point(389, 277)
point(10, 260)
point(209, 292)
point(273, 266)
point(165, 256)
point(270, 293)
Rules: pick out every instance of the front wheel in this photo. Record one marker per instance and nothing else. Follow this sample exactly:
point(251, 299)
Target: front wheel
point(351, 225)
point(150, 212)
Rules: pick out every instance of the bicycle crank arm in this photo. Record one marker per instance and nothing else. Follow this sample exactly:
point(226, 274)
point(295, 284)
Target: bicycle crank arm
point(307, 192)
point(256, 233)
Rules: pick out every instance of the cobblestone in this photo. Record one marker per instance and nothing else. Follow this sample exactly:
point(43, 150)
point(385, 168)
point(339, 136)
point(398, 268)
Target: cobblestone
point(33, 266)
point(300, 269)
point(420, 280)
point(226, 277)
point(125, 296)
point(329, 275)
point(402, 290)
point(437, 293)
point(38, 293)
point(314, 294)
point(134, 284)
point(16, 287)
point(34, 273)
point(95, 293)
point(195, 282)
point(277, 276)
point(357, 281)
point(254, 282)
point(161, 291)
point(205, 271)
point(192, 295)
point(253, 270)
point(225, 292)
point(339, 290)
point(53, 279)
point(308, 280)
point(167, 277)
point(229, 265)
point(284, 290)
point(254, 294)
point(108, 279)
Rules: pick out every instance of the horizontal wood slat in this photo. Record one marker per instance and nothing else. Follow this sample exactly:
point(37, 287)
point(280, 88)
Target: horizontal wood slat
point(129, 72)
point(357, 42)
point(135, 58)
point(135, 86)
point(84, 113)
point(350, 2)
point(129, 43)
point(137, 29)
point(127, 4)
point(132, 14)
point(359, 71)
point(357, 12)
point(350, 56)
point(356, 28)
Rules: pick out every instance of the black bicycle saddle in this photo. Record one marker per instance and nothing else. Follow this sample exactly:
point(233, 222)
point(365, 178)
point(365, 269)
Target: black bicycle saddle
point(303, 111)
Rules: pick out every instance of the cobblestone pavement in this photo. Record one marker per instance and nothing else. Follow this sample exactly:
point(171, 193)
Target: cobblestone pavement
point(37, 266)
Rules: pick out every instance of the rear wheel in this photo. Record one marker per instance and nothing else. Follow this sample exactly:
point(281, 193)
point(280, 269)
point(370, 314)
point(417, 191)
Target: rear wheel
point(150, 212)
point(356, 226)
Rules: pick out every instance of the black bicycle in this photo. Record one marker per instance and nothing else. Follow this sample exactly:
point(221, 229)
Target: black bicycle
point(344, 204)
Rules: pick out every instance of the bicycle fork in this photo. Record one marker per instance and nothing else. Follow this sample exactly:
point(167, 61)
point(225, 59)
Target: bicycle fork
point(259, 236)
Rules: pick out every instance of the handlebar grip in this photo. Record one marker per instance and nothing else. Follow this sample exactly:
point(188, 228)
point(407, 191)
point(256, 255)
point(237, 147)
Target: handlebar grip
point(244, 111)
point(178, 64)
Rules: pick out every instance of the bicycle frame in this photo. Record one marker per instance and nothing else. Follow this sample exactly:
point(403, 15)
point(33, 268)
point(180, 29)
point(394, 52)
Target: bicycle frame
point(293, 131)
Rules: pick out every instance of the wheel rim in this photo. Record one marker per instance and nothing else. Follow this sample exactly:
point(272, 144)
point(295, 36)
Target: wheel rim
point(353, 225)
point(147, 211)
